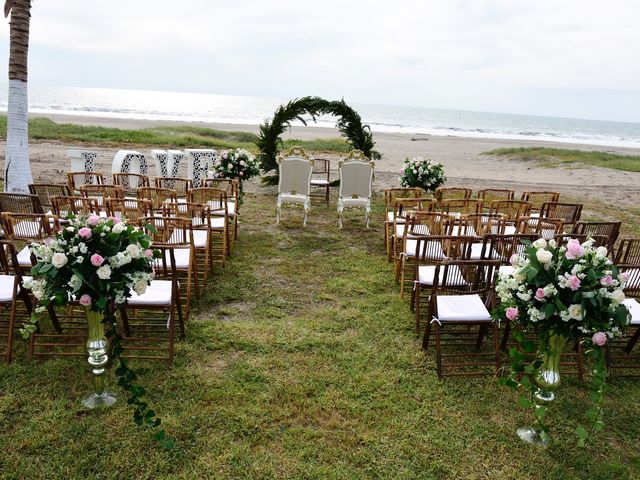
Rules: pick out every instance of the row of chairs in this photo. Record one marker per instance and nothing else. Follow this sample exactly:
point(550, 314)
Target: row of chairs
point(452, 259)
point(191, 233)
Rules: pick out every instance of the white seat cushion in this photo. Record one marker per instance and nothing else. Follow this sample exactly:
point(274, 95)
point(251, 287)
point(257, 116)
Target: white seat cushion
point(200, 238)
point(427, 273)
point(506, 270)
point(6, 288)
point(435, 247)
point(293, 198)
point(231, 209)
point(183, 258)
point(510, 230)
point(390, 216)
point(400, 230)
point(476, 252)
point(24, 257)
point(158, 293)
point(319, 183)
point(217, 223)
point(634, 308)
point(462, 308)
point(362, 202)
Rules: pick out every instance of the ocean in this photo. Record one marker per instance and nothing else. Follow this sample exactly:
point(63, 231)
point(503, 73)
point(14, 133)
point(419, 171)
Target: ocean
point(198, 107)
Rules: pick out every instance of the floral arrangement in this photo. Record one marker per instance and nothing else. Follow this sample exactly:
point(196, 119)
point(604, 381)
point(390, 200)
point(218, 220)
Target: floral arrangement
point(238, 163)
point(95, 260)
point(573, 292)
point(423, 173)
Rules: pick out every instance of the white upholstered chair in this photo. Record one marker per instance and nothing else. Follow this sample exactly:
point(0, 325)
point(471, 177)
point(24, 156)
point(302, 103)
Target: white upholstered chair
point(356, 183)
point(294, 184)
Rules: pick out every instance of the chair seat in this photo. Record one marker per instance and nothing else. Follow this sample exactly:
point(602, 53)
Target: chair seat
point(510, 230)
point(293, 198)
point(400, 230)
point(182, 257)
point(6, 288)
point(158, 293)
point(634, 308)
point(506, 270)
point(362, 202)
point(476, 253)
point(464, 308)
point(390, 217)
point(217, 223)
point(319, 183)
point(434, 247)
point(231, 209)
point(24, 257)
point(427, 273)
point(200, 238)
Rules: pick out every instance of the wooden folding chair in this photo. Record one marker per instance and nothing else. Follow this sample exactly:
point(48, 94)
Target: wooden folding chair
point(20, 203)
point(401, 208)
point(512, 211)
point(158, 196)
point(569, 213)
point(320, 177)
point(76, 179)
point(611, 230)
point(12, 292)
point(101, 193)
point(73, 205)
point(628, 253)
point(180, 185)
point(217, 200)
point(144, 333)
point(537, 199)
point(130, 209)
point(546, 228)
point(457, 207)
point(488, 195)
point(130, 182)
point(25, 228)
point(461, 298)
point(45, 191)
point(445, 193)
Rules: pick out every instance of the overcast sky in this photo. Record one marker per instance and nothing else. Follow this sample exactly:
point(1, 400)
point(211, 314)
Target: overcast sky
point(578, 58)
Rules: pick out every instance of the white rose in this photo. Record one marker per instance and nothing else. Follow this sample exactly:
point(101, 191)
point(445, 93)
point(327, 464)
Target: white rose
point(601, 252)
point(119, 228)
point(518, 276)
point(134, 250)
point(104, 272)
point(540, 243)
point(575, 311)
point(544, 256)
point(140, 286)
point(37, 291)
point(617, 296)
point(59, 260)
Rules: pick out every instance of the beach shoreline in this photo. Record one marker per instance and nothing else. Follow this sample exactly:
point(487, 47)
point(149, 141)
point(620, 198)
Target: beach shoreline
point(462, 158)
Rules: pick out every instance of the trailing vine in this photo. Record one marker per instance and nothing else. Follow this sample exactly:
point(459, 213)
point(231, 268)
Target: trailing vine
point(357, 135)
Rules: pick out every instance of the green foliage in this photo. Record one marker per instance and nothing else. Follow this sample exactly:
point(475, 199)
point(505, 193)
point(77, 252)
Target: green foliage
point(357, 135)
point(550, 157)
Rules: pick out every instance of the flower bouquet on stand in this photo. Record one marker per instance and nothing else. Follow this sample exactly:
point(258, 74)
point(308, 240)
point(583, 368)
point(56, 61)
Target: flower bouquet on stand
point(96, 262)
point(238, 164)
point(560, 294)
point(423, 173)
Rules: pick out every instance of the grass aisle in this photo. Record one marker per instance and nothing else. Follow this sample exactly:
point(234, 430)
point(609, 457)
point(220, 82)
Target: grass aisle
point(300, 362)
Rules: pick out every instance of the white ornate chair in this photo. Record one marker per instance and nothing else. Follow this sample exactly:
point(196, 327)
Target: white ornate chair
point(294, 186)
point(356, 183)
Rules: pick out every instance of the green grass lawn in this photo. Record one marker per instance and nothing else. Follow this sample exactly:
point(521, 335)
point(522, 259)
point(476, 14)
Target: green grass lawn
point(553, 157)
point(163, 136)
point(300, 362)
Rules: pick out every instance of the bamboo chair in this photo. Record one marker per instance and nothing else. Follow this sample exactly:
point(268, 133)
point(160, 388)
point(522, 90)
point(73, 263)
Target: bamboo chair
point(390, 197)
point(488, 195)
point(45, 191)
point(20, 203)
point(511, 209)
point(130, 182)
point(62, 207)
point(180, 185)
point(611, 230)
point(457, 207)
point(356, 184)
point(538, 199)
point(461, 298)
point(294, 182)
point(101, 193)
point(430, 251)
point(144, 333)
point(12, 292)
point(628, 253)
point(418, 224)
point(569, 213)
point(232, 187)
point(177, 233)
point(130, 209)
point(27, 228)
point(546, 228)
point(217, 200)
point(401, 208)
point(320, 178)
point(479, 224)
point(445, 193)
point(598, 240)
point(76, 179)
point(158, 197)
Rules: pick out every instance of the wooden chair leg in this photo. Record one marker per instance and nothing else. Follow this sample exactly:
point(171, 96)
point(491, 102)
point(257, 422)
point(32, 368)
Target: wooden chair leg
point(496, 346)
point(505, 336)
point(438, 353)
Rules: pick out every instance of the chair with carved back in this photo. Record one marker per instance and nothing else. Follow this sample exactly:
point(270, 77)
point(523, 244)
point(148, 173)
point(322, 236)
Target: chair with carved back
point(356, 184)
point(295, 168)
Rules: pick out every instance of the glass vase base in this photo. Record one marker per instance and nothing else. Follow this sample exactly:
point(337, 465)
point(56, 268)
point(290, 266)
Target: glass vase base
point(533, 436)
point(98, 400)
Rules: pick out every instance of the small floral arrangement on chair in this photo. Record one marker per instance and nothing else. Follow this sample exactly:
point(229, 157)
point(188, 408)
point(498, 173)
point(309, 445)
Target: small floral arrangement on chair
point(238, 163)
point(95, 260)
point(423, 173)
point(569, 293)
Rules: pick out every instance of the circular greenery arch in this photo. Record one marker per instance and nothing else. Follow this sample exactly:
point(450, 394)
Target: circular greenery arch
point(349, 123)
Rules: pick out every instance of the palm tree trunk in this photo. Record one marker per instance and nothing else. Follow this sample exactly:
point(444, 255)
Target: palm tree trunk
point(17, 170)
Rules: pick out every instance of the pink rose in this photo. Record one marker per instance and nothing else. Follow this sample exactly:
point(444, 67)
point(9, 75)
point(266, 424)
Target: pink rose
point(513, 260)
point(606, 281)
point(540, 294)
point(512, 313)
point(574, 249)
point(85, 232)
point(624, 276)
point(97, 260)
point(599, 338)
point(115, 220)
point(148, 253)
point(85, 300)
point(93, 220)
point(573, 283)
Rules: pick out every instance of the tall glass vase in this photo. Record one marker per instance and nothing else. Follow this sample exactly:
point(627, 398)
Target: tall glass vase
point(547, 381)
point(97, 356)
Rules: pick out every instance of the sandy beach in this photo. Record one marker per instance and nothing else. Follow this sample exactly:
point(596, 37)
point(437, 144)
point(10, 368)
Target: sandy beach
point(462, 157)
